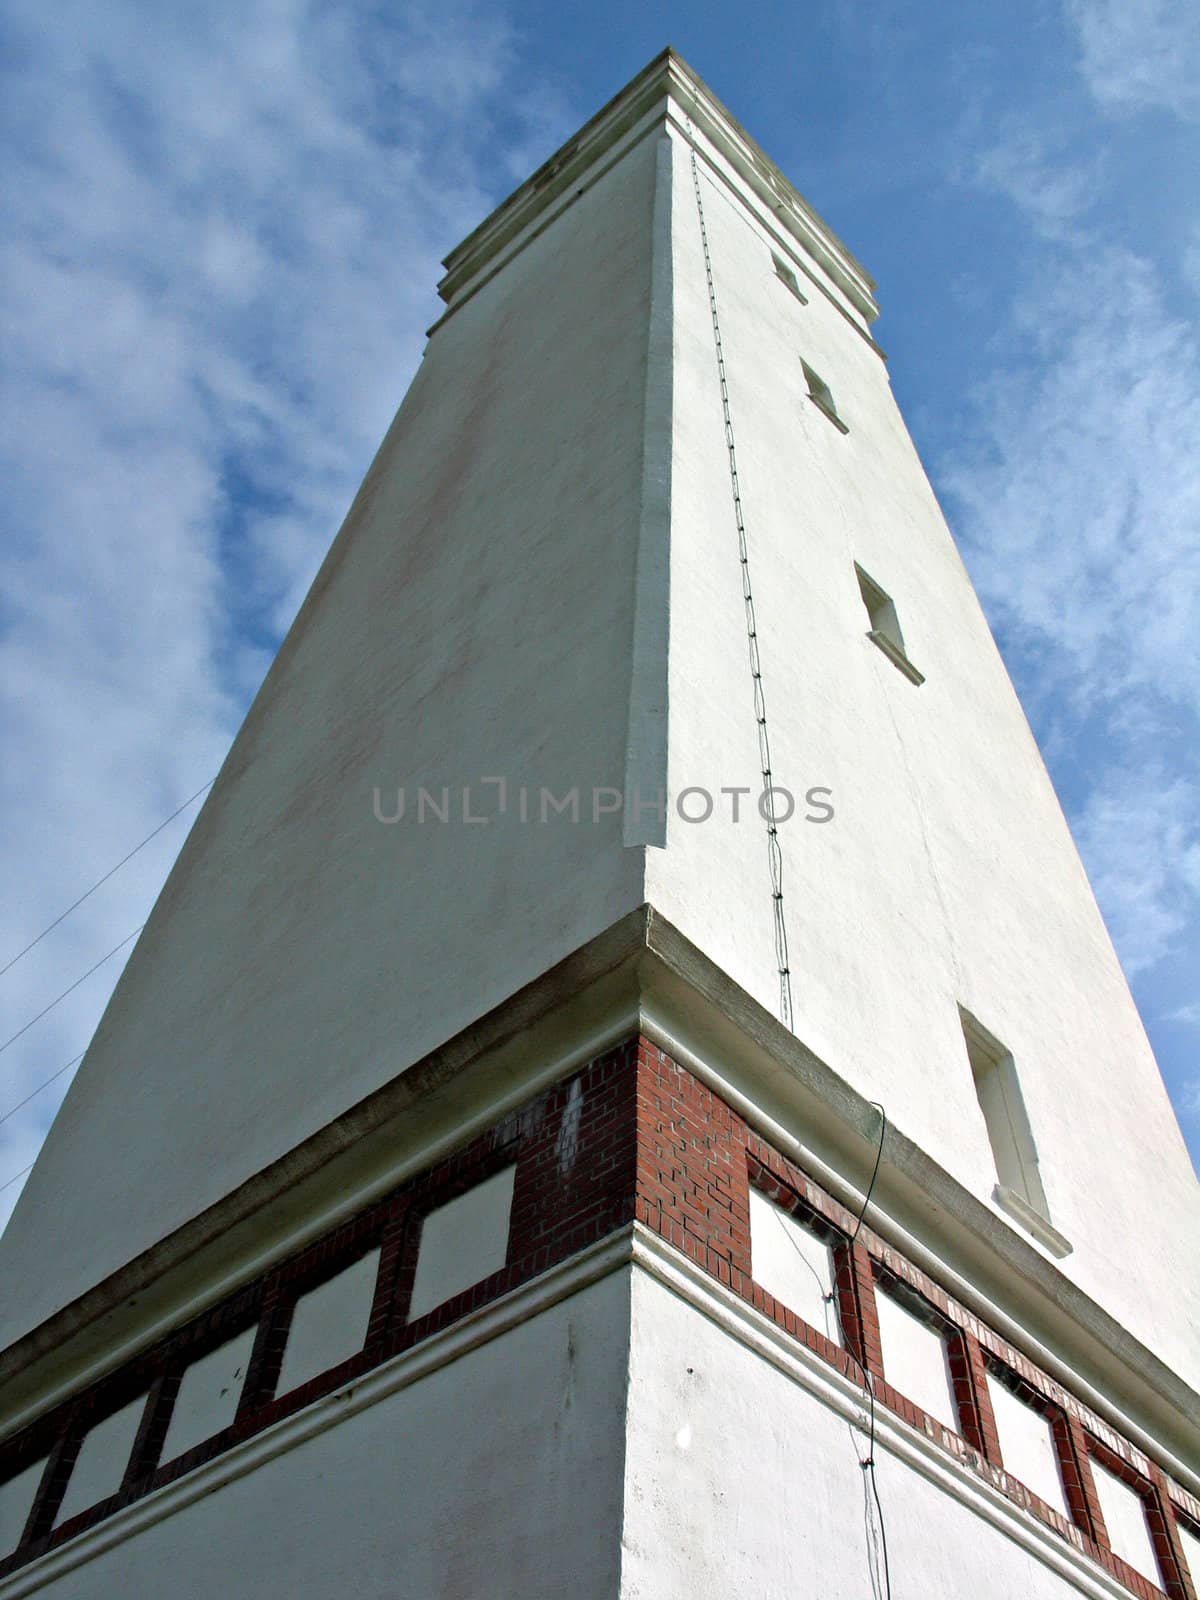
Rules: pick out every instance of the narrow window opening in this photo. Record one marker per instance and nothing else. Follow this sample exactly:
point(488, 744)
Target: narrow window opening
point(16, 1502)
point(885, 625)
point(1026, 1435)
point(821, 396)
point(1189, 1538)
point(1019, 1190)
point(462, 1242)
point(794, 1263)
point(787, 277)
point(912, 1341)
point(1124, 1511)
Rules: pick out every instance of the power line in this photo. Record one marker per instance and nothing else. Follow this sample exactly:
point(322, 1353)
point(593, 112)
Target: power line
point(72, 987)
point(45, 1084)
point(74, 906)
point(8, 1182)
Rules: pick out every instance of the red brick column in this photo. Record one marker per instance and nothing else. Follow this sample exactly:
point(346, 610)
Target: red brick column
point(977, 1420)
point(855, 1286)
point(1164, 1533)
point(1078, 1483)
point(576, 1154)
point(692, 1188)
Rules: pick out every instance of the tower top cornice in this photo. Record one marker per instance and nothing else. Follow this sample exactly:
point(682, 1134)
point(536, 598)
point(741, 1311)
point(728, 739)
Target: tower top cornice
point(666, 91)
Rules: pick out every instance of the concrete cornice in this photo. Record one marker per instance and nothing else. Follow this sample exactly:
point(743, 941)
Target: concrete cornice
point(667, 85)
point(642, 974)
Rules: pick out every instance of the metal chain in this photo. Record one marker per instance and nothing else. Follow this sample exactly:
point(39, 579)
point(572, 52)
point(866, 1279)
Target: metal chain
point(774, 853)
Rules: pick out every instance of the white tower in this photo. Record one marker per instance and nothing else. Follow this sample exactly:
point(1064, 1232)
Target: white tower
point(454, 1207)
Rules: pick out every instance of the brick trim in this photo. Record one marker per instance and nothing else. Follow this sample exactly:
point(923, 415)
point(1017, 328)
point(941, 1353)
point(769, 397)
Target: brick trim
point(631, 1135)
point(856, 1304)
point(971, 1395)
point(1078, 1482)
point(563, 1200)
point(1151, 1487)
point(1164, 1536)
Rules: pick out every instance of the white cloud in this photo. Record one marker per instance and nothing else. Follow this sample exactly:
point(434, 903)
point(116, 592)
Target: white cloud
point(224, 230)
point(1191, 259)
point(1076, 491)
point(1016, 164)
point(1139, 834)
point(1079, 491)
point(1139, 54)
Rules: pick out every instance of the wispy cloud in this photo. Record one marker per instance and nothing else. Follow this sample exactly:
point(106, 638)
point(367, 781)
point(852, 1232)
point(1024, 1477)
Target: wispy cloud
point(1079, 486)
point(224, 227)
point(1139, 54)
point(1141, 832)
point(1014, 162)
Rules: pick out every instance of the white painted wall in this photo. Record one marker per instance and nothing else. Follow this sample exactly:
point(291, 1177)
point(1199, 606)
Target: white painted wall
point(474, 618)
point(626, 1440)
point(736, 1477)
point(948, 875)
point(499, 1475)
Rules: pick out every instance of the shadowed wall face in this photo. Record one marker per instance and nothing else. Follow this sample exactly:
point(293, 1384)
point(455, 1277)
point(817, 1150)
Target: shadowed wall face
point(473, 621)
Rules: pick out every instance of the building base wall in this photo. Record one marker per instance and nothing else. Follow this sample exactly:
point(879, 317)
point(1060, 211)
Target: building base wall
point(737, 1473)
point(498, 1474)
point(582, 1353)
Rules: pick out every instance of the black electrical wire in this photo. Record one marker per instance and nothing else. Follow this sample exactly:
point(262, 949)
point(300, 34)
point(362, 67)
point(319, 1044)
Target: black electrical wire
point(75, 904)
point(45, 1084)
point(868, 1465)
point(12, 1039)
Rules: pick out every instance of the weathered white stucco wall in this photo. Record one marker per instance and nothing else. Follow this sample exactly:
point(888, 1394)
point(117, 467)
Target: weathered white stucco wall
point(473, 619)
point(497, 1475)
point(738, 1479)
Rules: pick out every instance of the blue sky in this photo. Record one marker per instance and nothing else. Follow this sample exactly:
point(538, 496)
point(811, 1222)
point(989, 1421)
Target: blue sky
point(223, 234)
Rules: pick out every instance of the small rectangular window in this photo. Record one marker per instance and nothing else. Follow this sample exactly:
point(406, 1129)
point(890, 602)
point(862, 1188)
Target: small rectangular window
point(915, 1358)
point(1019, 1190)
point(1124, 1513)
point(462, 1242)
point(329, 1323)
point(102, 1460)
point(821, 396)
point(1026, 1436)
point(208, 1395)
point(885, 625)
point(1189, 1538)
point(793, 1264)
point(786, 276)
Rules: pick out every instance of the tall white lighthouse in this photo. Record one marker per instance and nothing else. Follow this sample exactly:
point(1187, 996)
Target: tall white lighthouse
point(626, 1091)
